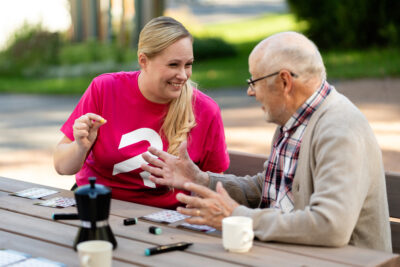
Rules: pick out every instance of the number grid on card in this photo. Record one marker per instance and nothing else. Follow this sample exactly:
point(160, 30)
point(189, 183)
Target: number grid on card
point(202, 228)
point(34, 193)
point(57, 202)
point(165, 216)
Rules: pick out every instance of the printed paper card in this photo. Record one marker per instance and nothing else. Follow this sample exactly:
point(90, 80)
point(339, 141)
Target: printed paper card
point(202, 228)
point(165, 216)
point(57, 202)
point(8, 256)
point(34, 193)
point(38, 262)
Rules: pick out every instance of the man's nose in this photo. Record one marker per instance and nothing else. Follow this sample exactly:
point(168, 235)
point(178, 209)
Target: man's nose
point(250, 92)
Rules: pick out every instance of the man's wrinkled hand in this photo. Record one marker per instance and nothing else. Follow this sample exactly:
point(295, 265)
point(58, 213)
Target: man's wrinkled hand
point(207, 207)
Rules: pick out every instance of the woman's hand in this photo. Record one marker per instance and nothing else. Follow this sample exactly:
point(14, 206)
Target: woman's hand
point(85, 129)
point(174, 171)
point(69, 155)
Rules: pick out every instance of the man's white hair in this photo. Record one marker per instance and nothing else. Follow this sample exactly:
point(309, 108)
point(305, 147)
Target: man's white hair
point(294, 52)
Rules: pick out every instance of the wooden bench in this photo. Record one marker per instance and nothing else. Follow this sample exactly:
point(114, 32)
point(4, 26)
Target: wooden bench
point(393, 192)
point(243, 163)
point(246, 163)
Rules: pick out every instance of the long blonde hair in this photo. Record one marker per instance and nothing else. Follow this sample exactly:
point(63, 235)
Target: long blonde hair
point(156, 35)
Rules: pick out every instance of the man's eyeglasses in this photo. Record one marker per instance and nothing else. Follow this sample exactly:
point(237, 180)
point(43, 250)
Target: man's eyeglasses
point(251, 82)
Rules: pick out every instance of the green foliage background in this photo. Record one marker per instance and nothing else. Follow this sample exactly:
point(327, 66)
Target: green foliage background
point(350, 23)
point(40, 62)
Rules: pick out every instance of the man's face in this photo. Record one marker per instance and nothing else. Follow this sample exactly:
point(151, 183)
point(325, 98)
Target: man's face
point(267, 92)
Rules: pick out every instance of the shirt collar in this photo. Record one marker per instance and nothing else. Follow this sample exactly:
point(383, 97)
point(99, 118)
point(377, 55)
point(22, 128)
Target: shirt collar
point(304, 112)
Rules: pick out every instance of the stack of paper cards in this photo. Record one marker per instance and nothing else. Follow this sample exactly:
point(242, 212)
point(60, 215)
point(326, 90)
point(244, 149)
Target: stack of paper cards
point(34, 193)
point(38, 262)
point(8, 256)
point(12, 258)
point(165, 216)
point(202, 228)
point(58, 202)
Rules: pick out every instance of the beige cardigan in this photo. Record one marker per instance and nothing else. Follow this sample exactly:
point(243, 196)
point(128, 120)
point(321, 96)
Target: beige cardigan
point(339, 187)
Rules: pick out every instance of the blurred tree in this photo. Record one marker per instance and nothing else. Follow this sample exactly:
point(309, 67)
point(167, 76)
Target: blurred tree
point(103, 19)
point(31, 47)
point(350, 23)
point(91, 19)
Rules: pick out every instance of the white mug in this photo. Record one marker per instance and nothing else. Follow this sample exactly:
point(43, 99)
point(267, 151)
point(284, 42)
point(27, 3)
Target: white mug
point(95, 253)
point(237, 233)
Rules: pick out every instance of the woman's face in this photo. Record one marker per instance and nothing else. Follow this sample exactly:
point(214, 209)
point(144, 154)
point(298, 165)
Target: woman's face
point(167, 72)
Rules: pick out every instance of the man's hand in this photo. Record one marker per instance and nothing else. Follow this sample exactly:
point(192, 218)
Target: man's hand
point(208, 207)
point(175, 171)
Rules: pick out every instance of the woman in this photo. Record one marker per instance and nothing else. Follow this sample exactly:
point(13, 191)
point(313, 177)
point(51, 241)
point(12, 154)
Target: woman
point(121, 114)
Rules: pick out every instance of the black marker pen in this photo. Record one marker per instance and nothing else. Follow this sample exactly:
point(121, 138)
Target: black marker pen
point(166, 248)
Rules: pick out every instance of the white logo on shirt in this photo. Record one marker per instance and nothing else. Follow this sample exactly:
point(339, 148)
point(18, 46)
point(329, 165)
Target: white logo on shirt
point(143, 134)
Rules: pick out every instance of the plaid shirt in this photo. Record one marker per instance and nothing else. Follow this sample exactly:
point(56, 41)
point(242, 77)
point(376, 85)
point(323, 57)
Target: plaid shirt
point(282, 162)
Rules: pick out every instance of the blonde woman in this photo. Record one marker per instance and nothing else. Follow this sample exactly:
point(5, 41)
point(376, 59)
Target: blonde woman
point(121, 114)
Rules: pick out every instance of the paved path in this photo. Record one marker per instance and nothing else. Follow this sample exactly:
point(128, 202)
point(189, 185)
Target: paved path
point(29, 126)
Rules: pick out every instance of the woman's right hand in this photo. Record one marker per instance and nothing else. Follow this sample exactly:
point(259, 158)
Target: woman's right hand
point(85, 129)
point(173, 171)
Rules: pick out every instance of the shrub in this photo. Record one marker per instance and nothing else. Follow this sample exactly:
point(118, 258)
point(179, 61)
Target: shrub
point(30, 46)
point(85, 52)
point(205, 48)
point(95, 51)
point(36, 52)
point(350, 23)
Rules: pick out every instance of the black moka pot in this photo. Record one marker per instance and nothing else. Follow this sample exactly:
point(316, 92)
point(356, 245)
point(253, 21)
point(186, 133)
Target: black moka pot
point(93, 202)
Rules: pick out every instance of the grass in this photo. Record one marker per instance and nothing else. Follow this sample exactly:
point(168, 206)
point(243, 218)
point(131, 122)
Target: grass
point(373, 62)
point(232, 72)
point(250, 30)
point(75, 85)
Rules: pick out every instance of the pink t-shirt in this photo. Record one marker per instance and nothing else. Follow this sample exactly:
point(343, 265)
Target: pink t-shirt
point(133, 124)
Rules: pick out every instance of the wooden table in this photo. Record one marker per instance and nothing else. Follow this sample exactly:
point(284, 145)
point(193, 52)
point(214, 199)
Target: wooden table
point(29, 228)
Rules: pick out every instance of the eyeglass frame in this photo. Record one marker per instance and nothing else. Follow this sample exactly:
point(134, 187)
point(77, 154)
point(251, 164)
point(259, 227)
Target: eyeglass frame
point(251, 82)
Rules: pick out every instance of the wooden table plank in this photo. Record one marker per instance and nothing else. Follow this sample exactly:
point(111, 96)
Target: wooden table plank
point(12, 185)
point(210, 246)
point(38, 248)
point(205, 246)
point(348, 254)
point(128, 250)
point(121, 209)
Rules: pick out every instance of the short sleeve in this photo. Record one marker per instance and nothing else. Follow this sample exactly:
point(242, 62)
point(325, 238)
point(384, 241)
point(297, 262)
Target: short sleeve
point(87, 103)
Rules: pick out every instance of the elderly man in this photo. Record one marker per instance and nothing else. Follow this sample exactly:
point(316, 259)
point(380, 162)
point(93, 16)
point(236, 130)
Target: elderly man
point(324, 181)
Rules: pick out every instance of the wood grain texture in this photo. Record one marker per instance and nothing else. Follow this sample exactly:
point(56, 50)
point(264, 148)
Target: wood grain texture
point(19, 217)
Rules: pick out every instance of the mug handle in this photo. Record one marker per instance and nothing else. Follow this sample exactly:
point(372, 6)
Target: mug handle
point(85, 260)
point(248, 236)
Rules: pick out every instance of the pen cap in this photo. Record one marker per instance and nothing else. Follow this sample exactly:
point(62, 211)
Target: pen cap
point(155, 230)
point(130, 221)
point(147, 252)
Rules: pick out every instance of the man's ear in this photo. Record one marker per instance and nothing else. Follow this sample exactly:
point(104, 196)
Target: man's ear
point(143, 61)
point(287, 81)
